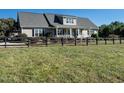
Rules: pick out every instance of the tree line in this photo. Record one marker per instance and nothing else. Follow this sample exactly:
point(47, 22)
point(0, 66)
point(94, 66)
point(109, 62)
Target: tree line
point(116, 29)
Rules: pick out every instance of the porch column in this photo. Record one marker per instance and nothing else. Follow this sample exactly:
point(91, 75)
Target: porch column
point(56, 32)
point(78, 33)
point(70, 32)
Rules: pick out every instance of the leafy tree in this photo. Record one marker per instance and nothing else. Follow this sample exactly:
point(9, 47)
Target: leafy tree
point(1, 32)
point(7, 26)
point(114, 28)
point(104, 31)
point(122, 31)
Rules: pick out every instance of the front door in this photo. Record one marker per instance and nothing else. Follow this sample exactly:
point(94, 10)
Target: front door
point(74, 32)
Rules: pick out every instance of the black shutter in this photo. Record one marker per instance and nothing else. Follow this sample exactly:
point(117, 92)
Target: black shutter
point(33, 32)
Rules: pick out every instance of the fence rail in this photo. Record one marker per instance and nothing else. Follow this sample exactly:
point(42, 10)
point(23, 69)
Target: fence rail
point(46, 41)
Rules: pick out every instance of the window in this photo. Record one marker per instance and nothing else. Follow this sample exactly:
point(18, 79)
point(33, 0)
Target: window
point(69, 20)
point(38, 32)
point(67, 31)
point(60, 32)
point(74, 32)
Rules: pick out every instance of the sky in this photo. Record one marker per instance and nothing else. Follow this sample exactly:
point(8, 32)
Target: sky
point(97, 16)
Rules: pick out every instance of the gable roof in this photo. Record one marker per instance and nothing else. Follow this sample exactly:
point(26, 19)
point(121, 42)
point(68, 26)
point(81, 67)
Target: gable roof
point(86, 23)
point(81, 22)
point(27, 19)
point(53, 19)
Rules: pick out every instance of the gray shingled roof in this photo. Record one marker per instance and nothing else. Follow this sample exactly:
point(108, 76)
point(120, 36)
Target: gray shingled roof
point(86, 23)
point(51, 19)
point(32, 20)
point(55, 20)
point(81, 22)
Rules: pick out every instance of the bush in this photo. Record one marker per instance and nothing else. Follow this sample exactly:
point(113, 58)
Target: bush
point(48, 34)
point(1, 34)
point(20, 37)
point(23, 35)
point(34, 40)
point(94, 35)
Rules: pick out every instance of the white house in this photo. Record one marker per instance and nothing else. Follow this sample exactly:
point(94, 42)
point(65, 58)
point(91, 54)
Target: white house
point(35, 25)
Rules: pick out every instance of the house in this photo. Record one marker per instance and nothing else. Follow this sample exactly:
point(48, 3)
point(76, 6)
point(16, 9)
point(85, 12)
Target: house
point(56, 25)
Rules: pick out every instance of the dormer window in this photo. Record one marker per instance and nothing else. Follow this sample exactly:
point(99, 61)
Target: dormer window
point(69, 20)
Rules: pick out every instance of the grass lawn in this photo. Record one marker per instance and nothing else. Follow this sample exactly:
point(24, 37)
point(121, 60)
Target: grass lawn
point(102, 63)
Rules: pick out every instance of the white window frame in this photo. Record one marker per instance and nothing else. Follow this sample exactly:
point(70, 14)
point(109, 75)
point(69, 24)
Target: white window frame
point(60, 31)
point(69, 20)
point(38, 29)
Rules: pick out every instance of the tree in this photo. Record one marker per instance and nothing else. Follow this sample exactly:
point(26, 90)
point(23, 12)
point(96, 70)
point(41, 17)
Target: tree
point(114, 28)
point(7, 26)
point(1, 32)
point(104, 31)
point(122, 31)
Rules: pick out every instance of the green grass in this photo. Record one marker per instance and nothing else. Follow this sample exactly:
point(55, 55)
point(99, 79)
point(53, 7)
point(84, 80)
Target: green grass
point(102, 63)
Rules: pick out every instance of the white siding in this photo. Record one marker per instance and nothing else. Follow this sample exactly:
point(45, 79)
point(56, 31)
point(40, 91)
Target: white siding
point(28, 32)
point(83, 34)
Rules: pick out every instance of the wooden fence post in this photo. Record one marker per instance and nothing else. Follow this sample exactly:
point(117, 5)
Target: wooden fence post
point(96, 41)
point(120, 40)
point(62, 41)
point(87, 41)
point(5, 41)
point(46, 41)
point(81, 41)
point(113, 40)
point(105, 40)
point(75, 41)
point(28, 42)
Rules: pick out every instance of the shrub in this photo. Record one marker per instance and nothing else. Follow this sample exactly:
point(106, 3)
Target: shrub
point(20, 37)
point(23, 35)
point(94, 35)
point(34, 40)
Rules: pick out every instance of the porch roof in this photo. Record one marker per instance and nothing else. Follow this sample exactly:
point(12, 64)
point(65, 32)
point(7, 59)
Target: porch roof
point(74, 27)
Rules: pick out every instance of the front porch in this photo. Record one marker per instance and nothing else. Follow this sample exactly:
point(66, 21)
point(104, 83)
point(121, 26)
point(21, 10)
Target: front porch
point(72, 32)
point(60, 32)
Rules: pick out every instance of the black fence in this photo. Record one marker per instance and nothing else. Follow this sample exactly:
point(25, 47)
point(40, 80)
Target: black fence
point(49, 41)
